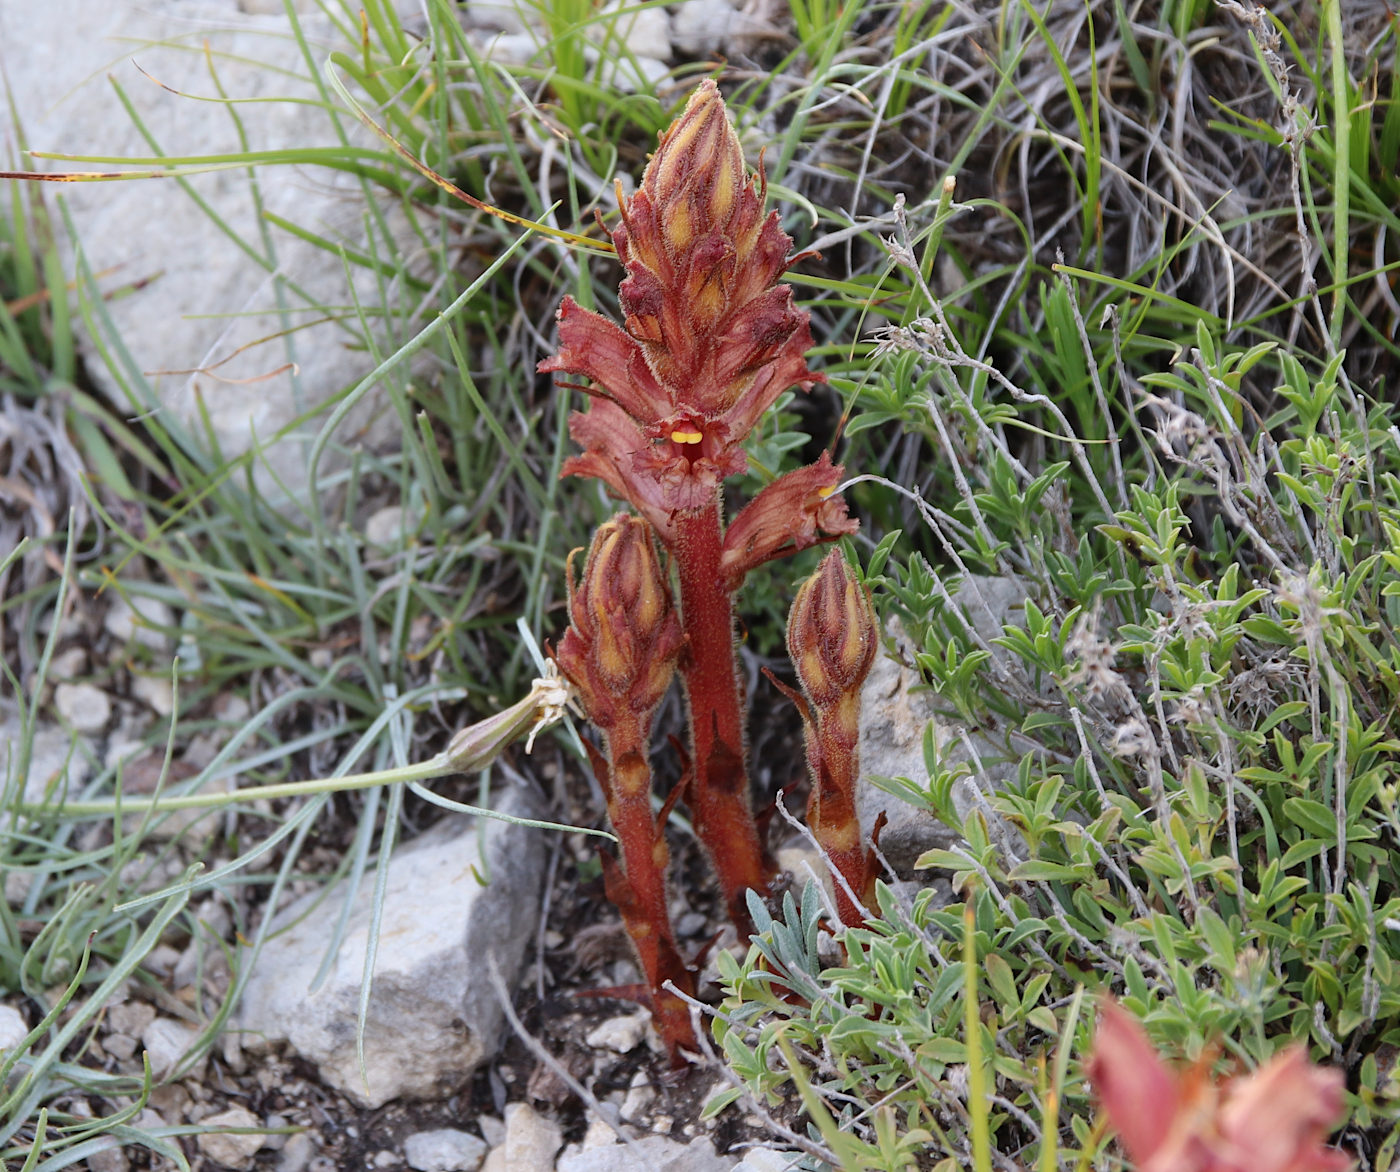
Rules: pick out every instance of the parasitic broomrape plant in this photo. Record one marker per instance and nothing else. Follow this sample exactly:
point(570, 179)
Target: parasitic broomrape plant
point(710, 338)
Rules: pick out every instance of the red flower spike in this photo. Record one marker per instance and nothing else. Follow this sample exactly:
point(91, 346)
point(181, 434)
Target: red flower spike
point(709, 339)
point(1271, 1120)
point(621, 647)
point(833, 635)
point(620, 652)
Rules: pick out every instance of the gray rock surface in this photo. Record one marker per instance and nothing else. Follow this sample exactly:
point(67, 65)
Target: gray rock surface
point(433, 1015)
point(651, 1153)
point(895, 711)
point(444, 1150)
point(200, 297)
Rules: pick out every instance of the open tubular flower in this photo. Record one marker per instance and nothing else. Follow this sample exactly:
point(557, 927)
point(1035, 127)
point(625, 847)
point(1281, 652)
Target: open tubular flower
point(1272, 1120)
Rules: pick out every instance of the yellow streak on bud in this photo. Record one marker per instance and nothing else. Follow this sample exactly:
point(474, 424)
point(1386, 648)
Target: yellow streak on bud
point(677, 226)
point(686, 437)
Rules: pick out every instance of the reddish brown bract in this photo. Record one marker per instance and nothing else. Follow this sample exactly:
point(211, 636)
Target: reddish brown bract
point(1272, 1120)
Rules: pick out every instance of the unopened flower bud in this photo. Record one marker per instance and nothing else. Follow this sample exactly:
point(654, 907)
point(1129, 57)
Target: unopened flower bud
point(832, 633)
point(698, 169)
point(621, 647)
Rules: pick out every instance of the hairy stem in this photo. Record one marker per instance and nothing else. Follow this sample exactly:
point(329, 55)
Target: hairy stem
point(639, 887)
point(719, 798)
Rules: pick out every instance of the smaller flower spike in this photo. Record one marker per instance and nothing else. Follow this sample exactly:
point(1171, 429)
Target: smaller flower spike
point(621, 647)
point(833, 636)
point(1272, 1120)
point(620, 653)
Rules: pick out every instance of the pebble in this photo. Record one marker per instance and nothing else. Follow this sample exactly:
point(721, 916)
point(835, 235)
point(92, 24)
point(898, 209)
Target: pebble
point(120, 1046)
point(531, 1139)
point(296, 1153)
point(69, 664)
point(112, 1159)
point(386, 527)
point(768, 1160)
point(167, 1042)
point(130, 1017)
point(620, 1034)
point(691, 924)
point(12, 1028)
point(237, 1151)
point(139, 619)
point(444, 1150)
point(155, 692)
point(86, 708)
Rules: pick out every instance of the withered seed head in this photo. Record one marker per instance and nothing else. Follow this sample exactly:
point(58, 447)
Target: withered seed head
point(621, 646)
point(832, 633)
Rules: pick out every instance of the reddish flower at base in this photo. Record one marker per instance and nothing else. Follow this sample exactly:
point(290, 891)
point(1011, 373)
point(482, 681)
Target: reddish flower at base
point(1271, 1120)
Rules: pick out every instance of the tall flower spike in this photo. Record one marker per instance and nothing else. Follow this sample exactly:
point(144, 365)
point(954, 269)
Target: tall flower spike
point(1272, 1120)
point(833, 636)
point(620, 653)
point(708, 342)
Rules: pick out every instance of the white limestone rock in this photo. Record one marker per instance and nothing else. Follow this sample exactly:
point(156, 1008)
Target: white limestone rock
point(651, 1153)
point(199, 298)
point(895, 711)
point(233, 1150)
point(83, 707)
point(444, 1150)
point(433, 1015)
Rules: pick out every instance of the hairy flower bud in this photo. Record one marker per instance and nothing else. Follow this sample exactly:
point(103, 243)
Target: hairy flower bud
point(621, 646)
point(832, 633)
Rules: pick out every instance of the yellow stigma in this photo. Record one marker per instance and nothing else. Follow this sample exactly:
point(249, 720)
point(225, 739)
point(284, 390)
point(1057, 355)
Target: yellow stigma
point(686, 437)
point(825, 491)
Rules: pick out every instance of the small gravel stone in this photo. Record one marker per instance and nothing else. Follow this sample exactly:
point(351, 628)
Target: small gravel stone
point(167, 1042)
point(120, 1046)
point(691, 924)
point(620, 1034)
point(12, 1028)
point(130, 1017)
point(69, 664)
point(768, 1160)
point(444, 1150)
point(237, 1151)
point(296, 1153)
point(493, 1130)
point(155, 692)
point(385, 527)
point(140, 619)
point(86, 708)
point(531, 1139)
point(112, 1159)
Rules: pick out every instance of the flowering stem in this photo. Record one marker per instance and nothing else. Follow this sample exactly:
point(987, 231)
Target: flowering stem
point(719, 798)
point(833, 752)
point(640, 890)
